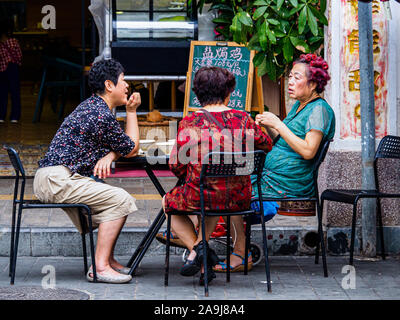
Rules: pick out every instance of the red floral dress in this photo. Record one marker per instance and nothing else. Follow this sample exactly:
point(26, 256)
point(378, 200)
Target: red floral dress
point(195, 138)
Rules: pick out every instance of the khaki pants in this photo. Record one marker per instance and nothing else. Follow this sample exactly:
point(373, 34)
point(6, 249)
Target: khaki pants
point(58, 185)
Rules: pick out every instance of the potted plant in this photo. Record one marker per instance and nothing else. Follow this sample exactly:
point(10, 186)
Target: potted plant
point(279, 30)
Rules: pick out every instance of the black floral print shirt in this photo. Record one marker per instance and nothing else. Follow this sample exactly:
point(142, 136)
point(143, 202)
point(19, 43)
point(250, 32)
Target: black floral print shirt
point(89, 133)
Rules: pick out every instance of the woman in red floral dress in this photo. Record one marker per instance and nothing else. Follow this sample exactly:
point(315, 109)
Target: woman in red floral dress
point(197, 135)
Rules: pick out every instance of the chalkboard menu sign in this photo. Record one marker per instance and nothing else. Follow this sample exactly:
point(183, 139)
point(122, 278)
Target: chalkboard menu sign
point(228, 55)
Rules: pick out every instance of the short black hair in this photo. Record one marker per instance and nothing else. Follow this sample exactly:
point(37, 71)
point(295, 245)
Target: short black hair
point(213, 84)
point(107, 69)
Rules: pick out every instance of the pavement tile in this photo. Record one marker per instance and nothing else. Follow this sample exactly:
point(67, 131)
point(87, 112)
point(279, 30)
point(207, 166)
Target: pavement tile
point(148, 284)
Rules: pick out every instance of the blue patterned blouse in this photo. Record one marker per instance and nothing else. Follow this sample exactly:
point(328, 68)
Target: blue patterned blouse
point(286, 173)
point(89, 133)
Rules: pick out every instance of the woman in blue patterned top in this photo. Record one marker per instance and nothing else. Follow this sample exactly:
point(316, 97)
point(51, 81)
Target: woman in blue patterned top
point(86, 144)
point(288, 169)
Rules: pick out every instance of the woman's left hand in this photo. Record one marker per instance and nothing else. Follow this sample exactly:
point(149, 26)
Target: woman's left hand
point(268, 119)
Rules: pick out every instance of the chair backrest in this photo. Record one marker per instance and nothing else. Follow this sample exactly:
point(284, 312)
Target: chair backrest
point(230, 164)
point(15, 161)
point(321, 154)
point(389, 147)
point(318, 159)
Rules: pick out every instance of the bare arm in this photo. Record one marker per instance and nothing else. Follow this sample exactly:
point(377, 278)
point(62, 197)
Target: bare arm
point(307, 148)
point(132, 127)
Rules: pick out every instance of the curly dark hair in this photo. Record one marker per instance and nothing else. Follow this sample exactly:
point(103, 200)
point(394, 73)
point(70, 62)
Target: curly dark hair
point(317, 70)
point(104, 70)
point(213, 84)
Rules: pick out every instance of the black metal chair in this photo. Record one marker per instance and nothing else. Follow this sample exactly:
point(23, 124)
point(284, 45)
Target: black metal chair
point(228, 166)
point(318, 159)
point(21, 203)
point(389, 147)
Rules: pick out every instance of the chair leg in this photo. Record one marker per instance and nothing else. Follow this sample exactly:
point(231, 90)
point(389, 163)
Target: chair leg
point(203, 233)
point(247, 245)
point(83, 235)
point(264, 235)
point(228, 249)
point(167, 251)
point(12, 238)
point(15, 253)
point(321, 241)
point(379, 212)
point(92, 253)
point(353, 231)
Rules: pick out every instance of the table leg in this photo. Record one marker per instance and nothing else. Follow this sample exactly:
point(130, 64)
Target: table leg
point(146, 242)
point(154, 228)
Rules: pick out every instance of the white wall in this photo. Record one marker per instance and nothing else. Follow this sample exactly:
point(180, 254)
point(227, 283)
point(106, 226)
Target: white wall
point(333, 42)
point(395, 25)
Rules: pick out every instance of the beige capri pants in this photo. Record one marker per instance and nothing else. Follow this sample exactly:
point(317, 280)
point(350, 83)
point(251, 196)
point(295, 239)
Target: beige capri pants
point(58, 185)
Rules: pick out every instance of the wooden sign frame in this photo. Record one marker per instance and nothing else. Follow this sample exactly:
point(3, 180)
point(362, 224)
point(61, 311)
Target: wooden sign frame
point(252, 81)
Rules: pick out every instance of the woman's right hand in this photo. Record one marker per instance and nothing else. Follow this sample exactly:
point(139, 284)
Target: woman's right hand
point(133, 102)
point(268, 119)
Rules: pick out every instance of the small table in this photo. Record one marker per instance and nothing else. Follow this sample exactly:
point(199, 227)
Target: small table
point(141, 250)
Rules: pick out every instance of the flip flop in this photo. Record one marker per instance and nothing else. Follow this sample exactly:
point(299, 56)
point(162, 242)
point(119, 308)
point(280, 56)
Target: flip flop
point(238, 268)
point(174, 241)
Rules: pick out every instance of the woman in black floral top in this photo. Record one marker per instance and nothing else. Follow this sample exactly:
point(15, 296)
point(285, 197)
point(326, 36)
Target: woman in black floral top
point(86, 144)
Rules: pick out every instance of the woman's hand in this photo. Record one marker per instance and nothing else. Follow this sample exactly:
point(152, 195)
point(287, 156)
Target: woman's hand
point(133, 102)
point(102, 169)
point(268, 119)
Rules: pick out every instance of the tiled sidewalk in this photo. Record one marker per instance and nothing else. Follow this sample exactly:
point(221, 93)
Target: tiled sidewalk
point(293, 278)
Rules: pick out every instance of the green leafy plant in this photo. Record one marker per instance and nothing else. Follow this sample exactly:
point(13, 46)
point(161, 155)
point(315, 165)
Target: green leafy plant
point(279, 30)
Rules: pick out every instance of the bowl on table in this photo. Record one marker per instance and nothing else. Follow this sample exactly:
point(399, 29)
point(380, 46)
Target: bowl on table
point(146, 144)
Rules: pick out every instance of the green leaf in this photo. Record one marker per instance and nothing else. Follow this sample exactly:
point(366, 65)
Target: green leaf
point(312, 22)
point(263, 36)
point(262, 68)
point(271, 35)
point(236, 29)
point(313, 40)
point(322, 4)
point(321, 17)
point(259, 12)
point(221, 21)
point(300, 45)
point(288, 50)
point(302, 19)
point(279, 33)
point(273, 21)
point(280, 3)
point(245, 18)
point(260, 3)
point(294, 3)
point(259, 58)
point(271, 68)
point(294, 10)
point(221, 6)
point(254, 43)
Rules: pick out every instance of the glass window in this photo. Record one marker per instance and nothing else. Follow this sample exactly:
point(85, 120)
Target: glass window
point(153, 19)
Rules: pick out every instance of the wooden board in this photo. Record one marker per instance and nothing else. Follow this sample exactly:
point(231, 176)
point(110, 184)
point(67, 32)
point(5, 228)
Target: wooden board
point(231, 56)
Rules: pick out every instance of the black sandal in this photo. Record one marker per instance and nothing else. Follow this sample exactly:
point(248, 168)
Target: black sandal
point(191, 267)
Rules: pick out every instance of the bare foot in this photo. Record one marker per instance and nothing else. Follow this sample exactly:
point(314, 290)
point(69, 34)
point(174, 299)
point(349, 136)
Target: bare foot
point(115, 264)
